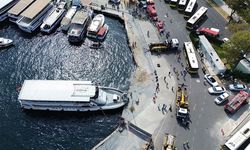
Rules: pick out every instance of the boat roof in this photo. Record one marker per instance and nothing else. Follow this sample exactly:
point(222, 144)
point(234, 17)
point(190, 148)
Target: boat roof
point(57, 90)
point(53, 16)
point(69, 15)
point(5, 3)
point(35, 8)
point(80, 17)
point(102, 31)
point(20, 6)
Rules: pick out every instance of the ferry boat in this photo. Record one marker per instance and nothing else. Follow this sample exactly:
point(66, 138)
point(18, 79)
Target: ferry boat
point(62, 95)
point(32, 17)
point(5, 42)
point(102, 32)
point(95, 25)
point(79, 23)
point(67, 19)
point(16, 10)
point(5, 5)
point(53, 18)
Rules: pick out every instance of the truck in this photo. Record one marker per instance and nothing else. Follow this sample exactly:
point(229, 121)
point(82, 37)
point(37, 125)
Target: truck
point(169, 142)
point(173, 44)
point(236, 102)
point(152, 12)
point(182, 107)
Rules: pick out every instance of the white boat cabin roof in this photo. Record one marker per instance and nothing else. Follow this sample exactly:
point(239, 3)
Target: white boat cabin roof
point(35, 8)
point(54, 15)
point(20, 6)
point(57, 90)
point(3, 3)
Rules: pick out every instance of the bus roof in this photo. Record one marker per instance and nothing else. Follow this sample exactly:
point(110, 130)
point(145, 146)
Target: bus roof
point(239, 137)
point(190, 6)
point(197, 15)
point(189, 48)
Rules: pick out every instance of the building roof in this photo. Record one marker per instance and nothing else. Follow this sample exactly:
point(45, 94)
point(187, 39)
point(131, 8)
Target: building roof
point(4, 3)
point(35, 8)
point(213, 55)
point(86, 2)
point(20, 6)
point(57, 90)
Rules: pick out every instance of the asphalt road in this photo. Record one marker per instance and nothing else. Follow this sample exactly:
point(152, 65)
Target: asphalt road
point(204, 113)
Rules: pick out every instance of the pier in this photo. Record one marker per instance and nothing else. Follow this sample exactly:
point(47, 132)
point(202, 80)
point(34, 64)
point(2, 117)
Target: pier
point(142, 117)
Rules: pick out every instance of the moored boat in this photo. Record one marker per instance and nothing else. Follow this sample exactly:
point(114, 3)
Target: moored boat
point(95, 25)
point(78, 26)
point(5, 42)
point(102, 33)
point(65, 23)
point(5, 5)
point(53, 18)
point(62, 95)
point(32, 17)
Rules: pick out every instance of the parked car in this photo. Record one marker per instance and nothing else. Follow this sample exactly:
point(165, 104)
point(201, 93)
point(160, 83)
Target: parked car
point(211, 80)
point(216, 90)
point(222, 98)
point(237, 87)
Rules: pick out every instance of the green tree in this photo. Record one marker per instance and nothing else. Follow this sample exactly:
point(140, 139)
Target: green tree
point(235, 27)
point(239, 44)
point(237, 5)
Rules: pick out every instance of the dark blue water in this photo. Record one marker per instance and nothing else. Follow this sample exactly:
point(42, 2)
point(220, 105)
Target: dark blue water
point(52, 57)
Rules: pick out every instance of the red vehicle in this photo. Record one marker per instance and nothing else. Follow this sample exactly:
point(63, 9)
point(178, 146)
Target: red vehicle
point(152, 12)
point(208, 31)
point(234, 104)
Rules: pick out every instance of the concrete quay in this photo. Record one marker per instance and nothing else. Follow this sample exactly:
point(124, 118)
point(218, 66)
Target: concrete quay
point(142, 115)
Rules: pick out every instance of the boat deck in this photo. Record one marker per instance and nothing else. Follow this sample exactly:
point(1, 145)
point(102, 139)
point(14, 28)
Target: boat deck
point(56, 13)
point(20, 7)
point(57, 90)
point(66, 20)
point(35, 8)
point(80, 17)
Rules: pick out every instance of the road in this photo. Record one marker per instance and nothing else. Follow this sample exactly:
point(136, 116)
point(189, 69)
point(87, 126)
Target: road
point(203, 132)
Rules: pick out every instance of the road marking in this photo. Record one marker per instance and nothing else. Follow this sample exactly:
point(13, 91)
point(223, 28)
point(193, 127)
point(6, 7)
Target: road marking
point(198, 80)
point(194, 107)
point(202, 108)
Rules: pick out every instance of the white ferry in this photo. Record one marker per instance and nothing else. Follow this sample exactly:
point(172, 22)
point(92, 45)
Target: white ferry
point(96, 24)
point(78, 27)
point(33, 16)
point(67, 19)
point(62, 95)
point(15, 11)
point(5, 42)
point(53, 18)
point(5, 5)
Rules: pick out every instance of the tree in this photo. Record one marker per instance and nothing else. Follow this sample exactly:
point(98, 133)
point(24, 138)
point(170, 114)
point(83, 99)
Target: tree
point(238, 45)
point(235, 27)
point(237, 5)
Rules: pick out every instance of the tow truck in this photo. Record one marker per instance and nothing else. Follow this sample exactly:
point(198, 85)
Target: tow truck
point(169, 142)
point(182, 107)
point(173, 44)
point(235, 104)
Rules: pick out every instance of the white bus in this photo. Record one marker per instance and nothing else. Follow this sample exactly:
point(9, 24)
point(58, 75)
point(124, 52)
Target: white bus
point(191, 57)
point(182, 5)
point(192, 22)
point(240, 139)
point(190, 9)
point(173, 3)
